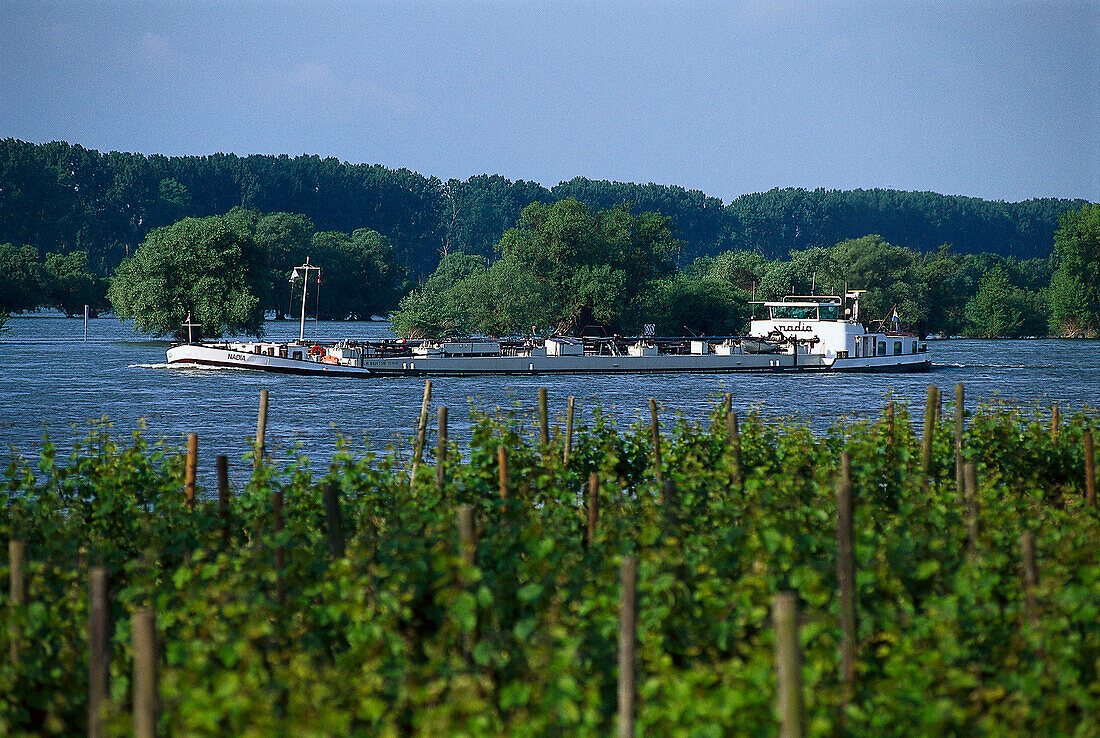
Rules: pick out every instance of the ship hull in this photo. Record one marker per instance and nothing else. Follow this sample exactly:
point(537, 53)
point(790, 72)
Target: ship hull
point(213, 356)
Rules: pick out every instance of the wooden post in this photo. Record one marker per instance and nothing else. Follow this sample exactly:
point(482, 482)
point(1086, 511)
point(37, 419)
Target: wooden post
point(846, 573)
point(890, 427)
point(1090, 470)
point(261, 431)
point(422, 423)
point(544, 421)
point(929, 430)
point(441, 448)
point(222, 465)
point(733, 433)
point(654, 426)
point(970, 498)
point(1054, 424)
point(628, 641)
point(334, 524)
point(728, 402)
point(277, 520)
point(1031, 580)
point(192, 468)
point(421, 432)
point(959, 482)
point(145, 674)
point(569, 430)
point(467, 539)
point(593, 507)
point(502, 468)
point(788, 665)
point(17, 556)
point(939, 406)
point(99, 655)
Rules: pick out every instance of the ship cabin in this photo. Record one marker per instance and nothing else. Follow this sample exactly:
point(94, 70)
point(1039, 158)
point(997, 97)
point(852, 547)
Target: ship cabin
point(827, 326)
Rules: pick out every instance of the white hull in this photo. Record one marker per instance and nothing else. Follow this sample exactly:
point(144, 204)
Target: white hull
point(224, 356)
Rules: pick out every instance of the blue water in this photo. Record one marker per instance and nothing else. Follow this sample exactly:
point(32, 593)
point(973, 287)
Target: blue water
point(51, 381)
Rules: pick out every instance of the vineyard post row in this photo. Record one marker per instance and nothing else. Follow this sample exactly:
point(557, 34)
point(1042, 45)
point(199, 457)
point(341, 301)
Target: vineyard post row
point(785, 604)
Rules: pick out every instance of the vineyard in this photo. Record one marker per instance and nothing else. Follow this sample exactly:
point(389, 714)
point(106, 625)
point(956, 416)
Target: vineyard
point(726, 575)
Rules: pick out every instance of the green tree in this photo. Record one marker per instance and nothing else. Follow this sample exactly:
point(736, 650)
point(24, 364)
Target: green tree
point(440, 307)
point(360, 274)
point(1075, 287)
point(70, 285)
point(1003, 310)
point(201, 266)
point(679, 304)
point(22, 281)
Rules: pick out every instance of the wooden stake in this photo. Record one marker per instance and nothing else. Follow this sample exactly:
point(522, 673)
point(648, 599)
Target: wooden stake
point(959, 438)
point(628, 641)
point(99, 654)
point(277, 520)
point(467, 540)
point(568, 430)
point(788, 665)
point(222, 465)
point(441, 448)
point(929, 430)
point(334, 523)
point(1031, 580)
point(970, 498)
point(890, 426)
point(733, 433)
point(502, 467)
point(593, 507)
point(544, 420)
point(655, 428)
point(1090, 470)
point(1054, 424)
point(261, 431)
point(421, 432)
point(422, 423)
point(145, 674)
point(192, 468)
point(17, 556)
point(846, 573)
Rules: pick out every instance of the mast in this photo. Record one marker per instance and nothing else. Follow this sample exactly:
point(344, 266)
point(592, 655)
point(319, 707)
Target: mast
point(305, 268)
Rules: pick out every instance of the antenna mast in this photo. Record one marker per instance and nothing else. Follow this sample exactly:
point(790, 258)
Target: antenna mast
point(305, 269)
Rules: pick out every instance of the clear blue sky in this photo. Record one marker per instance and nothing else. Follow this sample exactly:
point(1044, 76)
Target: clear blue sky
point(993, 99)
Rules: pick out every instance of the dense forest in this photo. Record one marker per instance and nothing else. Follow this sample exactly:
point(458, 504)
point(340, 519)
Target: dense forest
point(60, 198)
point(216, 236)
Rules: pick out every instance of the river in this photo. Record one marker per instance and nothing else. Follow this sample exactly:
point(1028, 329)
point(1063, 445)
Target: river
point(53, 382)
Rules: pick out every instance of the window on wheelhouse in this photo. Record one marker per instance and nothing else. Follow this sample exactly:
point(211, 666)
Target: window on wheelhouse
point(793, 312)
point(897, 348)
point(829, 312)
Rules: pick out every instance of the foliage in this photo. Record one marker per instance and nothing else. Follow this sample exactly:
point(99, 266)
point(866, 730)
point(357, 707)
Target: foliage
point(199, 267)
point(22, 282)
point(71, 285)
point(403, 636)
point(562, 267)
point(59, 197)
point(1075, 289)
point(1001, 309)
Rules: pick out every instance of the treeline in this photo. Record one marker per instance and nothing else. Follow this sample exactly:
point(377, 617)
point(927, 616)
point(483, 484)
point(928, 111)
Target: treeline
point(227, 271)
point(566, 268)
point(62, 281)
point(63, 198)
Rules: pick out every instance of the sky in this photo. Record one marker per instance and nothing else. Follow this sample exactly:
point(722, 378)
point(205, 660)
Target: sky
point(996, 99)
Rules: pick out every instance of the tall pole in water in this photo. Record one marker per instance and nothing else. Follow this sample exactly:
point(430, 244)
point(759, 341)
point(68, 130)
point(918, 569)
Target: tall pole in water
point(305, 288)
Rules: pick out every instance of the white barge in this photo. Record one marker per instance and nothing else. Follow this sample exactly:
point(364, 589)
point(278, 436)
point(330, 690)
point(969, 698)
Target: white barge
point(800, 333)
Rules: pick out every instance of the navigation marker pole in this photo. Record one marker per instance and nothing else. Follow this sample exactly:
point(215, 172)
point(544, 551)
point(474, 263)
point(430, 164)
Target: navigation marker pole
point(305, 268)
point(189, 325)
point(85, 324)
